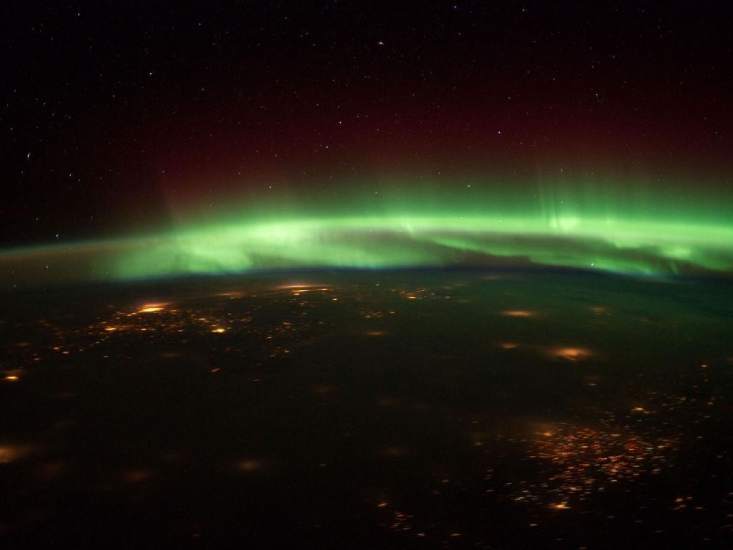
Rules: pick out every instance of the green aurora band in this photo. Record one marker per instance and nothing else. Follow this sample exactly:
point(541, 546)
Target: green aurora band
point(597, 230)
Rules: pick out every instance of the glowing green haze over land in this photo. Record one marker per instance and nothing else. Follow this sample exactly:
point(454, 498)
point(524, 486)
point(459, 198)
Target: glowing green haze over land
point(599, 228)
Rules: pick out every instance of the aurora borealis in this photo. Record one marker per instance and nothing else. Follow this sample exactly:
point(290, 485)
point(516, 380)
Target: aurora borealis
point(554, 226)
point(282, 137)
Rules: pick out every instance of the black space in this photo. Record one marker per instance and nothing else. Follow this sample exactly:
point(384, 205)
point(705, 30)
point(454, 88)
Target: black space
point(108, 108)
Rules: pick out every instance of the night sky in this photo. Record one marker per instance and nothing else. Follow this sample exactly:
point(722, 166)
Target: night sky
point(134, 118)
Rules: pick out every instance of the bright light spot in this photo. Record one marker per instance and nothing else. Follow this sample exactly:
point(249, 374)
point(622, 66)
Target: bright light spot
point(508, 345)
point(151, 308)
point(230, 294)
point(518, 313)
point(218, 330)
point(570, 353)
point(296, 286)
point(11, 453)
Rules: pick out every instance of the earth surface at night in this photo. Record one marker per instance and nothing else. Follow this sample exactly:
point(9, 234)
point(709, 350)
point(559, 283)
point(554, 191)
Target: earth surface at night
point(382, 409)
